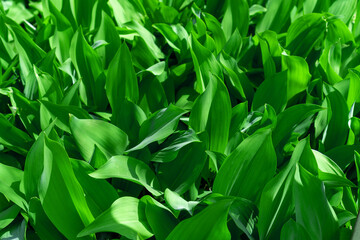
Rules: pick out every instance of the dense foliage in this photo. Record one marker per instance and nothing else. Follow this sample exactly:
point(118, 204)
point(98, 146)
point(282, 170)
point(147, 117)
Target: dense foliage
point(172, 119)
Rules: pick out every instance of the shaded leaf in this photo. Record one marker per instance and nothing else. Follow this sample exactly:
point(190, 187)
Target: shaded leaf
point(247, 169)
point(208, 224)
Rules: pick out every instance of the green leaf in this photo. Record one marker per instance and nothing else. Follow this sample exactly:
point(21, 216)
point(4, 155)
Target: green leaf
point(338, 31)
point(10, 185)
point(266, 40)
point(243, 213)
point(27, 110)
point(236, 17)
point(127, 11)
point(159, 217)
point(175, 35)
point(276, 97)
point(330, 172)
point(13, 194)
point(343, 9)
point(343, 155)
point(237, 78)
point(99, 194)
point(212, 113)
point(130, 169)
point(63, 34)
point(344, 217)
point(239, 114)
point(217, 32)
point(61, 195)
point(19, 13)
point(148, 37)
point(337, 129)
point(247, 169)
point(234, 45)
point(90, 132)
point(357, 165)
point(215, 160)
point(152, 95)
point(159, 126)
point(330, 61)
point(125, 217)
point(160, 12)
point(205, 65)
point(29, 54)
point(276, 16)
point(62, 112)
point(195, 119)
point(294, 231)
point(304, 33)
point(13, 138)
point(170, 152)
point(128, 117)
point(356, 28)
point(121, 82)
point(8, 215)
point(41, 223)
point(10, 174)
point(142, 56)
point(290, 118)
point(98, 158)
point(334, 180)
point(179, 174)
point(210, 224)
point(277, 201)
point(298, 74)
point(107, 32)
point(308, 188)
point(15, 230)
point(88, 65)
point(49, 88)
point(176, 202)
point(354, 87)
point(33, 168)
point(157, 69)
point(215, 7)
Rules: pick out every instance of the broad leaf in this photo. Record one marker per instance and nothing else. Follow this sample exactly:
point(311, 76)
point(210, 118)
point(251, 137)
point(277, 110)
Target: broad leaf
point(121, 82)
point(309, 189)
point(179, 174)
point(125, 216)
point(90, 132)
point(272, 91)
point(159, 126)
point(236, 17)
point(277, 202)
point(304, 33)
point(130, 169)
point(248, 168)
point(61, 195)
point(208, 224)
point(212, 113)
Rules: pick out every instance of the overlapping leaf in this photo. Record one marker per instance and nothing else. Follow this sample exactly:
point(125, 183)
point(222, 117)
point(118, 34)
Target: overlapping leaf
point(171, 119)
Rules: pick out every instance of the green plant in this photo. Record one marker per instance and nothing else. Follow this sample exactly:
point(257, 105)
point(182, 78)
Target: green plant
point(146, 119)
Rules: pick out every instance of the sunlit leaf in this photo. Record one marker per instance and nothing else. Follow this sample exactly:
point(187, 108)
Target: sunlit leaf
point(240, 175)
point(125, 216)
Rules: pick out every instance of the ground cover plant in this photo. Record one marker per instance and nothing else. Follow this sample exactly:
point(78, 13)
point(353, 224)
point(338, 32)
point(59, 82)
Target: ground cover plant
point(172, 119)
